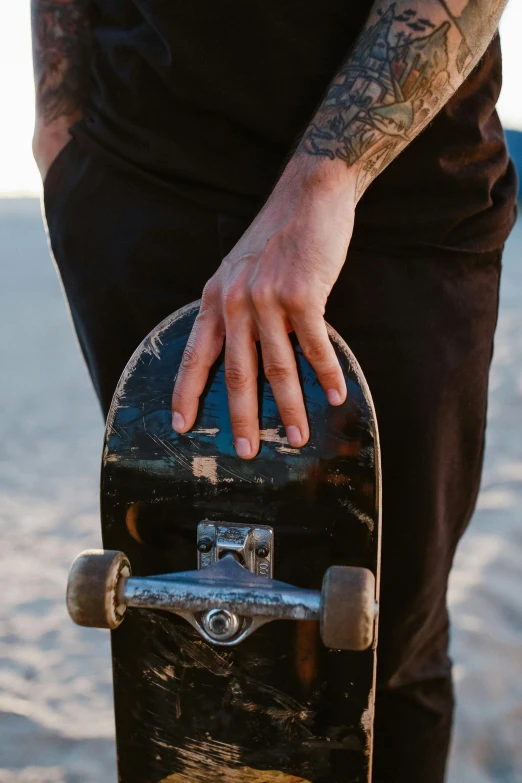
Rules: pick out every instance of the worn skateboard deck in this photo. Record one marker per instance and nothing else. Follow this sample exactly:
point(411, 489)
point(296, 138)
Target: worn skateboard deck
point(279, 707)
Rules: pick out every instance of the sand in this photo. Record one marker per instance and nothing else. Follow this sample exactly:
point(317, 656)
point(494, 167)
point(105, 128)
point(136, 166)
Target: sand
point(56, 723)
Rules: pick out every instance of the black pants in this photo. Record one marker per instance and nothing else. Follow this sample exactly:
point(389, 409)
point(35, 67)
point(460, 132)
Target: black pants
point(129, 252)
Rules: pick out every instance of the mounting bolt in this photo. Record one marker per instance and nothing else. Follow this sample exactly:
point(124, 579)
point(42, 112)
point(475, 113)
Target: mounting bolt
point(220, 624)
point(205, 545)
point(262, 550)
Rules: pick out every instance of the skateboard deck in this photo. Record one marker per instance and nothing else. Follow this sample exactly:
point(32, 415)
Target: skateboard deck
point(285, 704)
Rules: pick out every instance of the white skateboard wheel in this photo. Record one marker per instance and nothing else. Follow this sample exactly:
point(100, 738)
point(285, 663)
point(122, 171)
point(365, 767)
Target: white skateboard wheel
point(92, 588)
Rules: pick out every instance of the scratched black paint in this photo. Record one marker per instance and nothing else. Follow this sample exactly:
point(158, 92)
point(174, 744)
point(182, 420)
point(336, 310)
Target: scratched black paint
point(190, 712)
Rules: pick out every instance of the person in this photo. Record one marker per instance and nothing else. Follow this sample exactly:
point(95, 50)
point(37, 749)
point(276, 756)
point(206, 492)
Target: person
point(289, 162)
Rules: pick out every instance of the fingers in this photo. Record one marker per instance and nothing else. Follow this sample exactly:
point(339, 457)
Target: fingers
point(281, 371)
point(243, 325)
point(317, 348)
point(203, 348)
point(241, 379)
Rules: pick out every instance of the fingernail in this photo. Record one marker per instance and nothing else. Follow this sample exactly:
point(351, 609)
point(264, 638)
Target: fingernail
point(243, 448)
point(178, 422)
point(334, 398)
point(294, 436)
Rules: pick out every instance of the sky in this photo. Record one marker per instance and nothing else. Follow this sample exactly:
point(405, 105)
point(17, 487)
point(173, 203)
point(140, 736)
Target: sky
point(18, 173)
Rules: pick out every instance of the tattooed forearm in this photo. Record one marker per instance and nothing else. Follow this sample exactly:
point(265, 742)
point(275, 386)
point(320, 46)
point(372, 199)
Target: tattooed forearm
point(408, 61)
point(61, 44)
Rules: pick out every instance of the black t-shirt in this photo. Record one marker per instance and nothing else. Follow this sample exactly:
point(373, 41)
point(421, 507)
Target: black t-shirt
point(209, 99)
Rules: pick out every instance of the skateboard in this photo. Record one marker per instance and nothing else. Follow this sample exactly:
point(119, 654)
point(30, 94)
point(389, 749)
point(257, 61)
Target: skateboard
point(242, 595)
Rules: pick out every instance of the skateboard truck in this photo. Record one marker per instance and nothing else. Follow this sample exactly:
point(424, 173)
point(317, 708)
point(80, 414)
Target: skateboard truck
point(230, 595)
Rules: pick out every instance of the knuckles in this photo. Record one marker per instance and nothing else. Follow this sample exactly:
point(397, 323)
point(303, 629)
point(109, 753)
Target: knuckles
point(209, 292)
point(277, 373)
point(265, 293)
point(190, 358)
point(262, 296)
point(296, 302)
point(234, 299)
point(290, 414)
point(236, 379)
point(241, 424)
point(315, 354)
point(331, 377)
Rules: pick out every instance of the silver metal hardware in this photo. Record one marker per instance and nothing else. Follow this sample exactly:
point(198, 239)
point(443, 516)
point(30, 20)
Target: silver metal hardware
point(220, 624)
point(232, 593)
point(229, 596)
point(252, 545)
point(252, 548)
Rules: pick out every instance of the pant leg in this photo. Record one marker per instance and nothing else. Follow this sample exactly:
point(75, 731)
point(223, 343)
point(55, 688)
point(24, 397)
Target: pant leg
point(422, 330)
point(128, 252)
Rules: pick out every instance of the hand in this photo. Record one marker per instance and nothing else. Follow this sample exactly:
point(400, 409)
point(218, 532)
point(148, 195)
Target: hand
point(275, 280)
point(48, 142)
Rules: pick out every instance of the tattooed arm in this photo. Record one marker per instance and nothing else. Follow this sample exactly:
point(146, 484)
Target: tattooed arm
point(410, 58)
point(61, 48)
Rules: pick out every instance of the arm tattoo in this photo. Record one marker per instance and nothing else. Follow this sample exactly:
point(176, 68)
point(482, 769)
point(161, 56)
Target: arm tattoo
point(409, 59)
point(61, 44)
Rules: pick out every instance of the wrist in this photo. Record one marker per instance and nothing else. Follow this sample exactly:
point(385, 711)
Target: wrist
point(48, 140)
point(49, 134)
point(319, 177)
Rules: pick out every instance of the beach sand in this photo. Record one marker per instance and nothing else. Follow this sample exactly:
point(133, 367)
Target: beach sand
point(56, 722)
